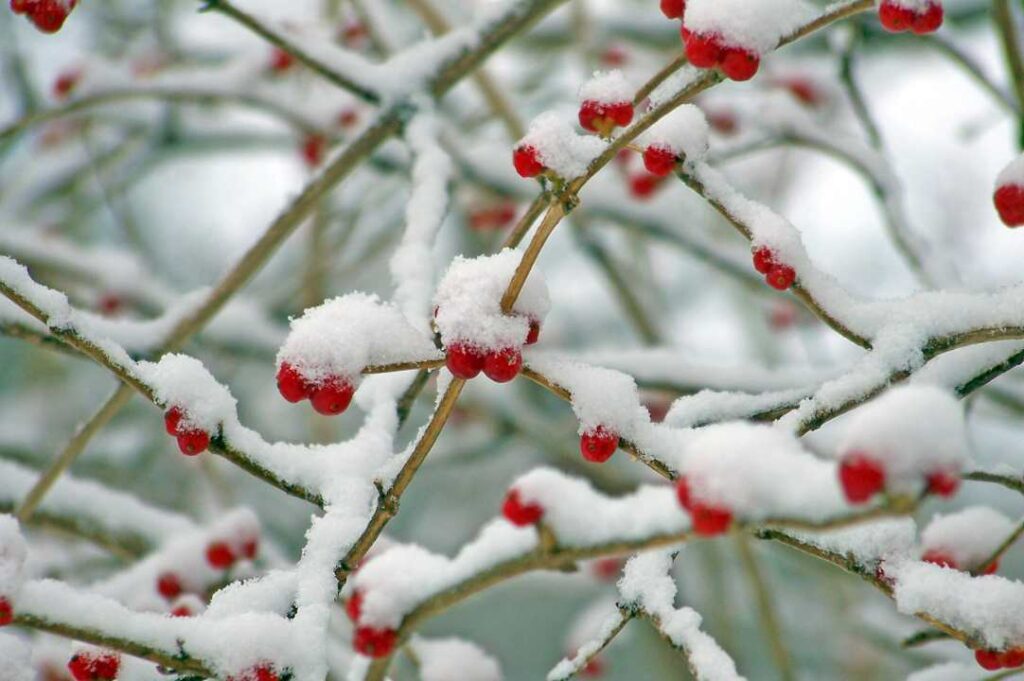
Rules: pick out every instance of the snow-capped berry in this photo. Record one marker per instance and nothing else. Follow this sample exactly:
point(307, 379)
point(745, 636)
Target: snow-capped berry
point(314, 146)
point(1009, 202)
point(501, 366)
point(219, 555)
point(526, 160)
point(861, 477)
point(94, 666)
point(709, 520)
point(533, 335)
point(66, 82)
point(673, 9)
point(192, 441)
point(781, 277)
point(659, 160)
point(703, 50)
point(169, 586)
point(264, 671)
point(989, 660)
point(521, 513)
point(895, 18)
point(374, 642)
point(172, 418)
point(1012, 658)
point(943, 483)
point(464, 360)
point(49, 15)
point(291, 384)
point(601, 117)
point(927, 21)
point(6, 612)
point(333, 396)
point(354, 605)
point(599, 444)
point(739, 64)
point(764, 259)
point(281, 60)
point(940, 558)
point(181, 611)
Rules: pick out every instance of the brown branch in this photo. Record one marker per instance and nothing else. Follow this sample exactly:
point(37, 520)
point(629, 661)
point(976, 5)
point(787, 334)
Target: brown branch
point(1006, 27)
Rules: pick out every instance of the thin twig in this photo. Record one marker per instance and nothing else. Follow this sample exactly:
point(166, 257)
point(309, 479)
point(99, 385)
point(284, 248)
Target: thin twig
point(765, 608)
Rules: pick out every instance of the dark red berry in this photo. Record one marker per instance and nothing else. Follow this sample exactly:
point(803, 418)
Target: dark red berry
point(599, 444)
point(927, 21)
point(659, 160)
point(65, 83)
point(519, 513)
point(683, 492)
point(943, 483)
point(354, 605)
point(781, 277)
point(251, 547)
point(526, 160)
point(49, 15)
point(193, 441)
point(607, 568)
point(1009, 201)
point(764, 259)
point(940, 558)
point(709, 520)
point(172, 418)
point(861, 477)
point(990, 660)
point(895, 18)
point(21, 6)
point(333, 396)
point(991, 568)
point(643, 185)
point(291, 384)
point(464, 361)
point(314, 146)
point(739, 64)
point(533, 335)
point(219, 555)
point(6, 612)
point(374, 642)
point(803, 89)
point(673, 9)
point(94, 667)
point(702, 50)
point(181, 611)
point(1012, 658)
point(281, 60)
point(169, 585)
point(501, 366)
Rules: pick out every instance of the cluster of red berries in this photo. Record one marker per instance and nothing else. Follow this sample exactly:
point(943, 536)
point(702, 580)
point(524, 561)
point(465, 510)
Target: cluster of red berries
point(944, 559)
point(708, 50)
point(369, 641)
point(222, 554)
point(1009, 201)
point(992, 660)
point(862, 477)
point(466, 361)
point(521, 513)
point(598, 444)
point(897, 18)
point(102, 666)
point(6, 612)
point(47, 15)
point(66, 82)
point(776, 274)
point(603, 117)
point(191, 440)
point(706, 519)
point(526, 160)
point(264, 671)
point(490, 218)
point(328, 397)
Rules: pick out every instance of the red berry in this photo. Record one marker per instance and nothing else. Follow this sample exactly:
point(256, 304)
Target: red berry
point(526, 160)
point(683, 492)
point(614, 56)
point(464, 361)
point(593, 668)
point(49, 15)
point(643, 185)
point(6, 612)
point(739, 64)
point(781, 277)
point(374, 642)
point(673, 9)
point(533, 335)
point(599, 444)
point(193, 441)
point(940, 558)
point(354, 606)
point(519, 513)
point(266, 672)
point(1014, 657)
point(990, 660)
point(333, 396)
point(281, 60)
point(621, 113)
point(181, 611)
point(895, 18)
point(1009, 201)
point(607, 568)
point(703, 50)
point(219, 555)
point(21, 6)
point(659, 160)
point(803, 89)
point(723, 122)
point(348, 117)
point(764, 259)
point(991, 568)
point(943, 483)
point(251, 547)
point(590, 112)
point(927, 21)
point(861, 477)
point(94, 667)
point(168, 585)
point(501, 366)
point(109, 304)
point(290, 383)
point(313, 148)
point(65, 83)
point(708, 520)
point(172, 417)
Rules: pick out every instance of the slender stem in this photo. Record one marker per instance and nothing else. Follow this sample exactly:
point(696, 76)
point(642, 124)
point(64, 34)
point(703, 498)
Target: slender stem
point(1006, 27)
point(765, 608)
point(521, 228)
point(660, 77)
point(556, 211)
point(999, 550)
point(625, 617)
point(425, 364)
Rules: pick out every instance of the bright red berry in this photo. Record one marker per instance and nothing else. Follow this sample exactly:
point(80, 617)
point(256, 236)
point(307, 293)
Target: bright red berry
point(169, 585)
point(533, 335)
point(659, 160)
point(1011, 658)
point(49, 15)
point(219, 555)
point(6, 612)
point(990, 569)
point(599, 444)
point(281, 60)
point(927, 21)
point(764, 259)
point(374, 642)
point(21, 6)
point(673, 9)
point(519, 513)
point(94, 667)
point(940, 558)
point(314, 146)
point(172, 418)
point(990, 660)
point(193, 441)
point(739, 64)
point(861, 477)
point(333, 396)
point(354, 605)
point(895, 18)
point(465, 361)
point(65, 83)
point(261, 672)
point(593, 668)
point(526, 160)
point(781, 277)
point(709, 520)
point(501, 366)
point(943, 483)
point(703, 50)
point(1009, 201)
point(291, 384)
point(181, 611)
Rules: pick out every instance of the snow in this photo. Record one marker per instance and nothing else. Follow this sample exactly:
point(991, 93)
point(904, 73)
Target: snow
point(607, 87)
point(1012, 173)
point(970, 536)
point(887, 540)
point(559, 147)
point(12, 557)
point(756, 26)
point(593, 627)
point(947, 671)
point(15, 655)
point(452, 659)
point(182, 381)
point(684, 131)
